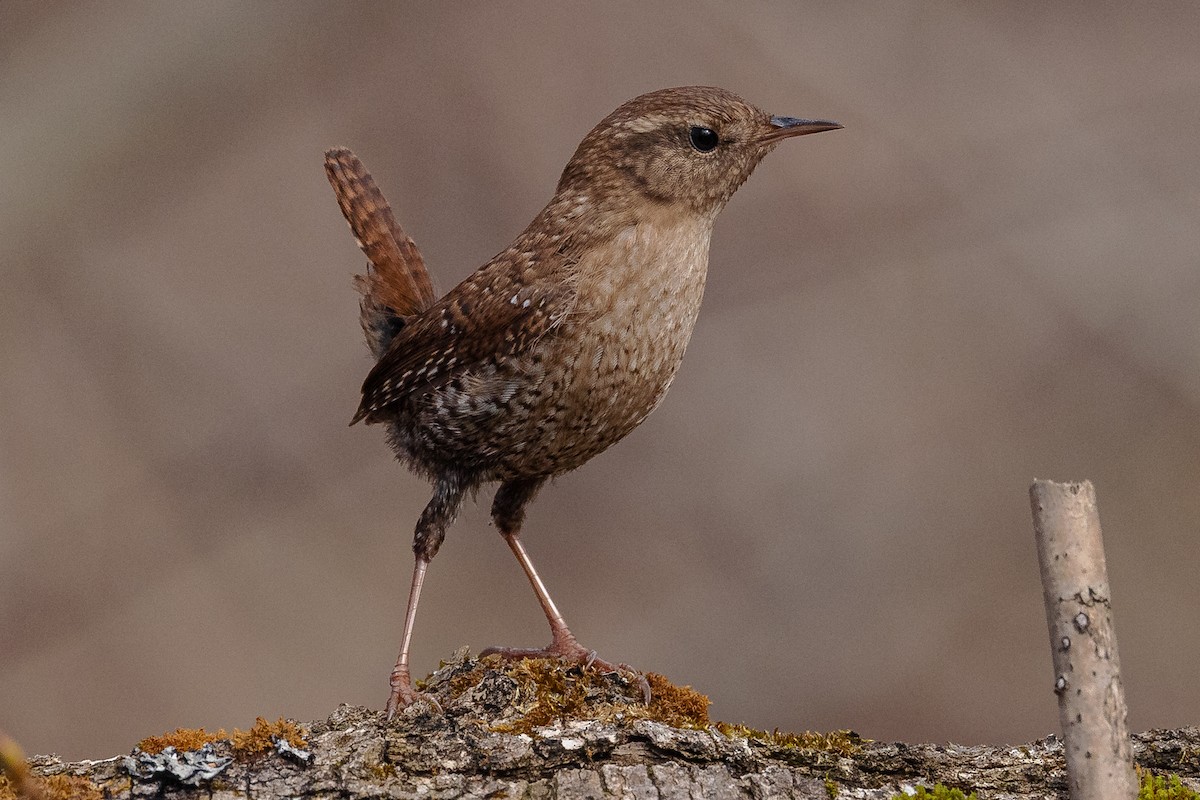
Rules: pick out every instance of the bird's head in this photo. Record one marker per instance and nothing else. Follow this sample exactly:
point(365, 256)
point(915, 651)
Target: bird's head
point(693, 145)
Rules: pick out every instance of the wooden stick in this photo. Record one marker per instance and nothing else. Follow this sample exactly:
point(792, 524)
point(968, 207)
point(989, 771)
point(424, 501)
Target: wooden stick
point(1087, 679)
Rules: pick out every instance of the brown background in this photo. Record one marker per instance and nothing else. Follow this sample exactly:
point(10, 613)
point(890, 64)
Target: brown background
point(991, 275)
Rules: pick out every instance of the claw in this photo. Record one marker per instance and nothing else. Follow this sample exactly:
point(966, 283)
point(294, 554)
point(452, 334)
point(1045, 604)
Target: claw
point(403, 695)
point(397, 702)
point(640, 680)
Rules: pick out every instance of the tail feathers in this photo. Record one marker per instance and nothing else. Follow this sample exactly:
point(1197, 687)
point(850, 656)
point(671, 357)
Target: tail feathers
point(396, 285)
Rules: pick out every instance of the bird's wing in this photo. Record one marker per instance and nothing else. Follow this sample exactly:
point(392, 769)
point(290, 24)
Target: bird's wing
point(489, 315)
point(397, 283)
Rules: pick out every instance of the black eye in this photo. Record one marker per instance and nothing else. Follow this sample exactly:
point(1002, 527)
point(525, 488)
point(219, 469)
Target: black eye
point(703, 139)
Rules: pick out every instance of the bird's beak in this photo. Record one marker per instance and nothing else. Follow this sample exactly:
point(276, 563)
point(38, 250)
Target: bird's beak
point(787, 127)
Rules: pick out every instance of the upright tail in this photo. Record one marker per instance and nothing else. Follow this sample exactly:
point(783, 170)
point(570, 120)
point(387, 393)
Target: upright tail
point(397, 285)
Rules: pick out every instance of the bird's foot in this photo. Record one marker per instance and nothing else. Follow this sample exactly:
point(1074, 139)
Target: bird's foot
point(404, 695)
point(566, 648)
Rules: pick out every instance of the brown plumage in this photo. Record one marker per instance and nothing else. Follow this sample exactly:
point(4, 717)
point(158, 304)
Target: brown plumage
point(397, 285)
point(564, 342)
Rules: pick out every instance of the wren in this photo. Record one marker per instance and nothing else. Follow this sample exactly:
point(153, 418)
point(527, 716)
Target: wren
point(563, 343)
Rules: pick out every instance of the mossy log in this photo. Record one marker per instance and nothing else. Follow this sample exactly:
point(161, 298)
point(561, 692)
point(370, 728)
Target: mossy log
point(541, 730)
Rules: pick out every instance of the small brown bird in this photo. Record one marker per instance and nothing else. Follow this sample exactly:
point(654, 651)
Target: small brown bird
point(564, 342)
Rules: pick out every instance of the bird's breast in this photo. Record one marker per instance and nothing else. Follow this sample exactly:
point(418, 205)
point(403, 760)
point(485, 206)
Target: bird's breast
point(638, 298)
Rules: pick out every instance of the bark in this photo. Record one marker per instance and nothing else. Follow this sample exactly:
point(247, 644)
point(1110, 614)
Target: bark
point(595, 748)
point(1083, 642)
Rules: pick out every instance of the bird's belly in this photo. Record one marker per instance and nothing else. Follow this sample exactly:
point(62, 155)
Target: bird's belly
point(614, 382)
point(609, 373)
point(555, 407)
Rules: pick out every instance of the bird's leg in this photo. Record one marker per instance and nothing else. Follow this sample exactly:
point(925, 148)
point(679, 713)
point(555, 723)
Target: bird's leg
point(431, 530)
point(562, 642)
point(508, 511)
point(401, 681)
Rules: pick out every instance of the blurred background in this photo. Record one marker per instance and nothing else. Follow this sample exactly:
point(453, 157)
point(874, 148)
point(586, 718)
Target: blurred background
point(989, 276)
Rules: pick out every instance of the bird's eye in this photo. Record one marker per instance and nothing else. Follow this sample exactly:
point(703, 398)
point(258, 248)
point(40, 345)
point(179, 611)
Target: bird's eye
point(703, 139)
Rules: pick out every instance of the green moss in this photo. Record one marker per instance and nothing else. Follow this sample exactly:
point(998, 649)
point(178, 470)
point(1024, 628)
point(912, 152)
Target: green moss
point(550, 692)
point(677, 706)
point(1164, 787)
point(844, 743)
point(831, 788)
point(938, 792)
point(543, 692)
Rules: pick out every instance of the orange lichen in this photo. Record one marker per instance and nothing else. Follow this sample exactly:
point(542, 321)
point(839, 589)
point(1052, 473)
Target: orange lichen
point(245, 743)
point(18, 783)
point(259, 739)
point(182, 739)
point(70, 787)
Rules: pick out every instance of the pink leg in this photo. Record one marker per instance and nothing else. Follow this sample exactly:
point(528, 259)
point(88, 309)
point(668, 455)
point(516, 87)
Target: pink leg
point(401, 682)
point(427, 538)
point(563, 643)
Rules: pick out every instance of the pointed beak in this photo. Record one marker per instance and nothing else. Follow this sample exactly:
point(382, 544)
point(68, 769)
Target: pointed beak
point(787, 127)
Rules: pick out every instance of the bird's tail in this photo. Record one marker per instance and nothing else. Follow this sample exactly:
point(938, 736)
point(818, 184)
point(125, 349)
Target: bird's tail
point(397, 285)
